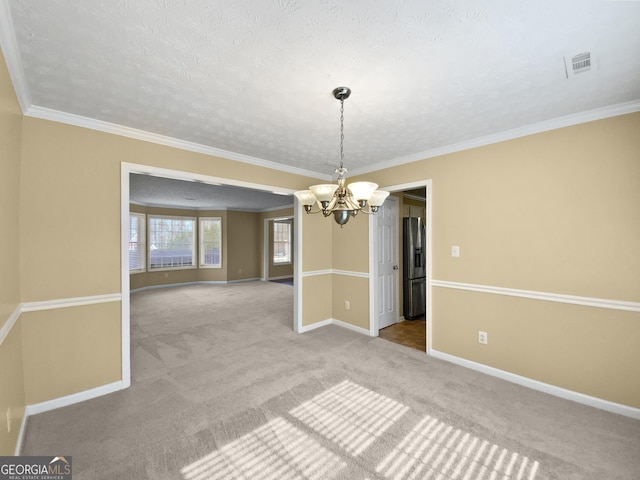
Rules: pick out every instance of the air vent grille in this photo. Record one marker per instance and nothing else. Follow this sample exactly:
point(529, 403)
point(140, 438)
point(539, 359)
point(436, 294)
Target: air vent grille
point(577, 63)
point(581, 63)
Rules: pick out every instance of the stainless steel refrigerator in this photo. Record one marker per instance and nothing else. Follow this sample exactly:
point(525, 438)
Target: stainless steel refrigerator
point(414, 263)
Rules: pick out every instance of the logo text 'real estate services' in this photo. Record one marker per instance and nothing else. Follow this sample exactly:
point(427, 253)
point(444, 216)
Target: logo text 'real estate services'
point(35, 468)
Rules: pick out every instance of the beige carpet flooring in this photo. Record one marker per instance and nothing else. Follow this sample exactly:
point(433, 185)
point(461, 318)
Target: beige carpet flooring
point(222, 388)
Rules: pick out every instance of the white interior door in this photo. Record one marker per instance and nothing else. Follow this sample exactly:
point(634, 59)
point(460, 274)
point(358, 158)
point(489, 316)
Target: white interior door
point(387, 256)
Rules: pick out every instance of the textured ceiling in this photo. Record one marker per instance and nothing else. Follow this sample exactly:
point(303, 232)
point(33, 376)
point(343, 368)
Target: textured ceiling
point(169, 192)
point(252, 79)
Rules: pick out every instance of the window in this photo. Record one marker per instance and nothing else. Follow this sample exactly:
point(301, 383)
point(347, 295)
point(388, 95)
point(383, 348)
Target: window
point(211, 242)
point(171, 242)
point(137, 237)
point(281, 241)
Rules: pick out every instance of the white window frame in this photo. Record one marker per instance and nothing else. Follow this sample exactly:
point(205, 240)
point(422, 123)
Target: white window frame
point(150, 243)
point(287, 260)
point(141, 242)
point(201, 244)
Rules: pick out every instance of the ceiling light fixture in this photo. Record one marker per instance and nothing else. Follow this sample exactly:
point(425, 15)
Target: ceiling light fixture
point(344, 201)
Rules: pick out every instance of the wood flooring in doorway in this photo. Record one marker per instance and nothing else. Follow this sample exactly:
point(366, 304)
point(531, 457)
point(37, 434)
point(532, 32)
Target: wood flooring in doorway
point(410, 333)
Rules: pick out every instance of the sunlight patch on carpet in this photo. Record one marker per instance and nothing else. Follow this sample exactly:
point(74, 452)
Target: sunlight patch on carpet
point(350, 415)
point(275, 451)
point(436, 450)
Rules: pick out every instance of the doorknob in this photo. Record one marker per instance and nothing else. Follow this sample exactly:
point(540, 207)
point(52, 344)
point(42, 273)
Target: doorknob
point(395, 267)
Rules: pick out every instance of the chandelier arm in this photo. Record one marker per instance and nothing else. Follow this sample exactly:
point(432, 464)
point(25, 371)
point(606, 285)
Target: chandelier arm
point(371, 210)
point(311, 212)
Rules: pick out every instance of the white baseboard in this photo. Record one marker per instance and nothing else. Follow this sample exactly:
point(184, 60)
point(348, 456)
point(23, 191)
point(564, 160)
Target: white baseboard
point(354, 328)
point(542, 387)
point(242, 280)
point(281, 277)
point(333, 321)
point(313, 326)
point(23, 427)
point(63, 402)
point(200, 282)
point(167, 285)
point(74, 398)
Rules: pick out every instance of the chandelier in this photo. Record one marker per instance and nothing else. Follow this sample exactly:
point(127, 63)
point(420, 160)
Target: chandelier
point(344, 201)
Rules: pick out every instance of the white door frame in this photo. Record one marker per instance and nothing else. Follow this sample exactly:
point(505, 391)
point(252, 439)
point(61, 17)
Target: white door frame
point(373, 264)
point(127, 168)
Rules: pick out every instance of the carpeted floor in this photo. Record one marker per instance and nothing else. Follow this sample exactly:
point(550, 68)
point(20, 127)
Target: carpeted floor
point(223, 388)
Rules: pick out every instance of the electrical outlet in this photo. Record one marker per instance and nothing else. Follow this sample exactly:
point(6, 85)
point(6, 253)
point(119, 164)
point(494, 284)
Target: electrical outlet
point(347, 304)
point(483, 338)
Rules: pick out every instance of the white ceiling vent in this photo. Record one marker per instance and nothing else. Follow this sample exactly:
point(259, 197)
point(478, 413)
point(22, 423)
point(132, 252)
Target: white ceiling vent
point(578, 63)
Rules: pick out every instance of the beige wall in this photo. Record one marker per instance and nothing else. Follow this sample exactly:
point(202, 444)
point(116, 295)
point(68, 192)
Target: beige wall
point(355, 290)
point(554, 212)
point(317, 254)
point(351, 254)
point(12, 396)
point(10, 135)
point(327, 246)
point(317, 304)
point(244, 245)
point(588, 350)
point(550, 212)
point(350, 244)
point(68, 350)
point(317, 242)
point(11, 375)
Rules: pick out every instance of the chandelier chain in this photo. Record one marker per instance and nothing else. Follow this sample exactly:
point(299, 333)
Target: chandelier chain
point(341, 132)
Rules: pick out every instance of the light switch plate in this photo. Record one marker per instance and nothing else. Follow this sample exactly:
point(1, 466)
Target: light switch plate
point(455, 251)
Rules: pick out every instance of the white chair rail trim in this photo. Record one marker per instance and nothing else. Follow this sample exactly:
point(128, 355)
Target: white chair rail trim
point(545, 296)
point(333, 271)
point(51, 304)
point(70, 302)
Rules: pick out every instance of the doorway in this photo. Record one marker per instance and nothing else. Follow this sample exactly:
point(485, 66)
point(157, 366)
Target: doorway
point(128, 169)
point(411, 330)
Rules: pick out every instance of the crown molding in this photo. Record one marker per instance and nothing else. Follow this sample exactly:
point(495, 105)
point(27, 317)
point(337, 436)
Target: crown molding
point(545, 126)
point(113, 128)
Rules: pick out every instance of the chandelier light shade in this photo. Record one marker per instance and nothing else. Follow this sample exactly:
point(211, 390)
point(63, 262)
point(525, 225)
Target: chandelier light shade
point(341, 200)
